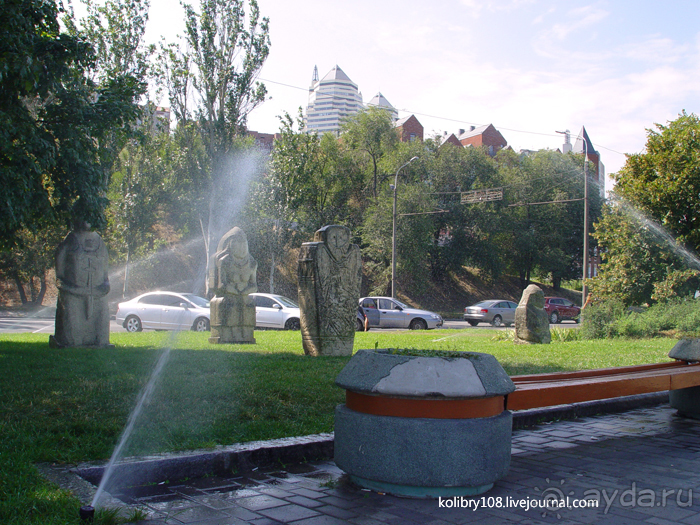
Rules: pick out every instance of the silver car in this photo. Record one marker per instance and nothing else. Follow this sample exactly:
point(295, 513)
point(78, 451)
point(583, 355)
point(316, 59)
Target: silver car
point(385, 312)
point(164, 311)
point(275, 311)
point(498, 312)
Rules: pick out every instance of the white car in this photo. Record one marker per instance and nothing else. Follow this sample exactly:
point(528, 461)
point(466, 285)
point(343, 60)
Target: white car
point(276, 311)
point(386, 312)
point(164, 311)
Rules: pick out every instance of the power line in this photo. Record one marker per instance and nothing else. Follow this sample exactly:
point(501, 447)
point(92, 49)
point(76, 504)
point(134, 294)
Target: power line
point(406, 110)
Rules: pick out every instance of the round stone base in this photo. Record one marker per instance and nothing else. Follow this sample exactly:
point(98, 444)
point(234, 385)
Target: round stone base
point(686, 401)
point(423, 457)
point(408, 491)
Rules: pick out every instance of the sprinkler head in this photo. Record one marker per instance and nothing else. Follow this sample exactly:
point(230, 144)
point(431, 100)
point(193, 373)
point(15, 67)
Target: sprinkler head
point(87, 513)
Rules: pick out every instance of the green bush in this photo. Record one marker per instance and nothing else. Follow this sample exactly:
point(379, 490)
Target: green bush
point(598, 319)
point(610, 319)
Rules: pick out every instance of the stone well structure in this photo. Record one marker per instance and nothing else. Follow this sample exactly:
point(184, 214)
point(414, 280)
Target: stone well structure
point(422, 425)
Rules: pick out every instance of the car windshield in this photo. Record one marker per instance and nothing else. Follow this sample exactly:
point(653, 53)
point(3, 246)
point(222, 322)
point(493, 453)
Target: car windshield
point(402, 305)
point(285, 301)
point(197, 300)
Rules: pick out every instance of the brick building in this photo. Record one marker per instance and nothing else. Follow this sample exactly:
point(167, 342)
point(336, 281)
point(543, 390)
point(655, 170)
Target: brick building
point(486, 136)
point(409, 129)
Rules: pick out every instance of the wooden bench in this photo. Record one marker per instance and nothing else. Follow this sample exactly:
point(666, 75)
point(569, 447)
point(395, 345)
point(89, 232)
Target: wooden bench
point(542, 390)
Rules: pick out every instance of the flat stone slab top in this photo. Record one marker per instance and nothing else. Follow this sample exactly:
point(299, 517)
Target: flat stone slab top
point(407, 373)
point(686, 350)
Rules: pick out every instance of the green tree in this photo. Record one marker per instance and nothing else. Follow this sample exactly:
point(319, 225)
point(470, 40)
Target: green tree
point(226, 45)
point(654, 214)
point(633, 259)
point(371, 133)
point(466, 233)
point(544, 219)
point(664, 181)
point(56, 123)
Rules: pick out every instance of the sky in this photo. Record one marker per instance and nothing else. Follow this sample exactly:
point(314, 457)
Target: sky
point(529, 67)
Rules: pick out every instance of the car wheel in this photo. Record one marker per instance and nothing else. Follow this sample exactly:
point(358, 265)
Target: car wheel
point(473, 323)
point(554, 318)
point(133, 324)
point(292, 324)
point(418, 324)
point(359, 327)
point(201, 324)
point(497, 321)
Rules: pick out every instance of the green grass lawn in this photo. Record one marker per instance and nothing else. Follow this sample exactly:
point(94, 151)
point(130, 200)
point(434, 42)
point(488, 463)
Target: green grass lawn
point(70, 405)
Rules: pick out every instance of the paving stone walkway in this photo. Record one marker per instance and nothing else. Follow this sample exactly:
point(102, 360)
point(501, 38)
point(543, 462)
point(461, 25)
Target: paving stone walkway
point(641, 466)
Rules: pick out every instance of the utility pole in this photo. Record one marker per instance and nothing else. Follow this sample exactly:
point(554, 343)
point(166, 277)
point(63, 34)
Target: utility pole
point(586, 262)
point(393, 230)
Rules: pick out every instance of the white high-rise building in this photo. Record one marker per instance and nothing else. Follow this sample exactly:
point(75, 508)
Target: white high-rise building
point(331, 99)
point(380, 101)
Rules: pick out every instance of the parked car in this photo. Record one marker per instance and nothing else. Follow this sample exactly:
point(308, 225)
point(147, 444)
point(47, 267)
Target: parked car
point(385, 312)
point(498, 312)
point(559, 309)
point(164, 311)
point(276, 311)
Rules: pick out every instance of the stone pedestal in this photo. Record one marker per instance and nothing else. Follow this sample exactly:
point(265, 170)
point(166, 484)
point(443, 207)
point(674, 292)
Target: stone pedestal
point(330, 270)
point(686, 400)
point(232, 320)
point(423, 426)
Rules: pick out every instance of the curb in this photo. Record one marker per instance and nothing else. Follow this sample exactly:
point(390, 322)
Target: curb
point(281, 452)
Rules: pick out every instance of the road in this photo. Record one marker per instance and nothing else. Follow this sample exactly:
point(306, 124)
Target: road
point(34, 325)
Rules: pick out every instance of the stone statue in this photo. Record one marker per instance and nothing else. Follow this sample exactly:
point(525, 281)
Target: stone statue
point(531, 320)
point(330, 271)
point(232, 276)
point(82, 313)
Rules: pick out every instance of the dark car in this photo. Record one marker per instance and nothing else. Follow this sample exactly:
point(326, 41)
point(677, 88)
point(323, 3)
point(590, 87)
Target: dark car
point(559, 309)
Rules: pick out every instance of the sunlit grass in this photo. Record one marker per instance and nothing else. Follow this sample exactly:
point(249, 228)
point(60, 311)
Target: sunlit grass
point(70, 405)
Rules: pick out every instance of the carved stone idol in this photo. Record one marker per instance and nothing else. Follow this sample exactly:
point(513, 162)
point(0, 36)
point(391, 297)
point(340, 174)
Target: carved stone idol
point(330, 271)
point(531, 320)
point(232, 276)
point(82, 277)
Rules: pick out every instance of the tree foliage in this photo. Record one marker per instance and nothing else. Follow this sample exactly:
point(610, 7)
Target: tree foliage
point(57, 125)
point(654, 214)
point(664, 181)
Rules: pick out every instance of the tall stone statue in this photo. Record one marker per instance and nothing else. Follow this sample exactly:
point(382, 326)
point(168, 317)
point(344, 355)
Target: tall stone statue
point(82, 277)
point(531, 320)
point(232, 276)
point(330, 272)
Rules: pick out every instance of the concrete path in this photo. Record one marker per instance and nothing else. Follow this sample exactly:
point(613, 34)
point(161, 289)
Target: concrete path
point(641, 466)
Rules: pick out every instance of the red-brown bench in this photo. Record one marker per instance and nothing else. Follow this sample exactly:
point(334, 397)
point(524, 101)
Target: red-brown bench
point(681, 378)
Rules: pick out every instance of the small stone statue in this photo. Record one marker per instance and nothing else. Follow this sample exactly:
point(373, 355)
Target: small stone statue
point(330, 271)
point(531, 320)
point(82, 312)
point(232, 276)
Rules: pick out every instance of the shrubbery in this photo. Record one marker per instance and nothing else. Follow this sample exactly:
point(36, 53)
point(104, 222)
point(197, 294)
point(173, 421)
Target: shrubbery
point(680, 317)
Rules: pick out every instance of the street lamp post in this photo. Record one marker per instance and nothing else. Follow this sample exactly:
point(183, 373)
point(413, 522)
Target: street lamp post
point(393, 230)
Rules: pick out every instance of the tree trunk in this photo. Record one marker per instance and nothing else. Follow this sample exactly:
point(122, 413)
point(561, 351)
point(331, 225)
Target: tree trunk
point(20, 287)
point(42, 289)
point(556, 282)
